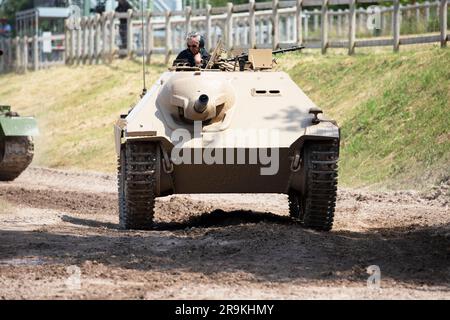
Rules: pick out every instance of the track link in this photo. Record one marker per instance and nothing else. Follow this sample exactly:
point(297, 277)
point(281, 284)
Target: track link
point(17, 154)
point(314, 207)
point(136, 179)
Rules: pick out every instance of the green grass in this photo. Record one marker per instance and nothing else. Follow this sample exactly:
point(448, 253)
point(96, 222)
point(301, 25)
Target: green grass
point(393, 109)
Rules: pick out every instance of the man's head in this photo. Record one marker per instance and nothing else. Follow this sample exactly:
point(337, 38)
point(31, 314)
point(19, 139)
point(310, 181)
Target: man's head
point(193, 42)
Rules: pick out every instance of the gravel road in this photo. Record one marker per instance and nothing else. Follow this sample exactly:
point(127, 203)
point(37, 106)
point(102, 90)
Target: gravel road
point(59, 238)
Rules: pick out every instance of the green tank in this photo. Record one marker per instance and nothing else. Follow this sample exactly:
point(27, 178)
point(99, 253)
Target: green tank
point(16, 142)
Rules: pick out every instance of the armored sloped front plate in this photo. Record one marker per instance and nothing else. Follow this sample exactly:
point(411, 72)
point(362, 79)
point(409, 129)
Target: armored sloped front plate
point(260, 58)
point(18, 126)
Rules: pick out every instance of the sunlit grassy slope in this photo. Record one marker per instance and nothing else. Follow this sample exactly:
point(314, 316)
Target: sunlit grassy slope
point(76, 108)
point(394, 111)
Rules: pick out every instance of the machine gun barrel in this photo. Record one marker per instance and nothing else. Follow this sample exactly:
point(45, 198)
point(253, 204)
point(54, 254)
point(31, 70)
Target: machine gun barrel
point(244, 56)
point(296, 48)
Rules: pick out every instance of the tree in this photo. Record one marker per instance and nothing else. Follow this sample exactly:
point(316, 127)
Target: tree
point(8, 9)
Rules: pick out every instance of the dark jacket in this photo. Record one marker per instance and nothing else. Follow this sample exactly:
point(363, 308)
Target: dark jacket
point(123, 8)
point(187, 55)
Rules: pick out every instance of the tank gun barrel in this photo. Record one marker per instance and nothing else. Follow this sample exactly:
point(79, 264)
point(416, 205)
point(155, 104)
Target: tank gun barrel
point(201, 103)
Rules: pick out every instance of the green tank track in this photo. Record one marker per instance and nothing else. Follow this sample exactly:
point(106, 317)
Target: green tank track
point(17, 154)
point(136, 182)
point(314, 208)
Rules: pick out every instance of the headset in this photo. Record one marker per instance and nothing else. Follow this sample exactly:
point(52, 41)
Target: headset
point(201, 43)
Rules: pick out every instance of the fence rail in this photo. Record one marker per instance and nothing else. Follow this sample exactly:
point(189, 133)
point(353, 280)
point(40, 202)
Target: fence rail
point(272, 24)
point(27, 53)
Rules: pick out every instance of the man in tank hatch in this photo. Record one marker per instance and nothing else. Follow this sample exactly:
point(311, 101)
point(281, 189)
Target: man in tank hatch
point(195, 55)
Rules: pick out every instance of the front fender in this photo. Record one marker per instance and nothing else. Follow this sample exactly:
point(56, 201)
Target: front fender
point(18, 126)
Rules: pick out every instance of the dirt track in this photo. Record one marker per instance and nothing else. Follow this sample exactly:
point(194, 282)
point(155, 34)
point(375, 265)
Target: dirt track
point(213, 246)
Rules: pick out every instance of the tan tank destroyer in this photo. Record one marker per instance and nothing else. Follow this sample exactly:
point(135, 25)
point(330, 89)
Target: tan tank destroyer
point(236, 126)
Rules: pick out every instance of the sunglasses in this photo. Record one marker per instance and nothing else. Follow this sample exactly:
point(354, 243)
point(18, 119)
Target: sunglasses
point(195, 46)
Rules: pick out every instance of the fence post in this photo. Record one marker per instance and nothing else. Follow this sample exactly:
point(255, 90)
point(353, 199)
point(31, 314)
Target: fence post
point(168, 37)
point(112, 34)
point(275, 25)
point(330, 19)
point(85, 39)
point(360, 19)
point(427, 11)
point(261, 30)
point(339, 22)
point(18, 54)
point(73, 36)
point(91, 40)
point(188, 13)
point(104, 36)
point(352, 27)
point(417, 13)
point(289, 28)
point(305, 27)
point(443, 22)
point(324, 27)
point(229, 26)
point(2, 61)
point(98, 37)
point(298, 22)
point(316, 19)
point(10, 56)
point(208, 43)
point(396, 28)
point(67, 44)
point(36, 53)
point(149, 36)
point(130, 33)
point(79, 41)
point(252, 23)
point(25, 54)
point(245, 34)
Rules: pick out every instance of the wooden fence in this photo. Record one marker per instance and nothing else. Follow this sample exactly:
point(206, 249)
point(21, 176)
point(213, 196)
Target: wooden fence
point(272, 24)
point(27, 53)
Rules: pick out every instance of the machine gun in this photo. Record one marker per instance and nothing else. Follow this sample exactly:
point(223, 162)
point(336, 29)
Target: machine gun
point(244, 56)
point(254, 59)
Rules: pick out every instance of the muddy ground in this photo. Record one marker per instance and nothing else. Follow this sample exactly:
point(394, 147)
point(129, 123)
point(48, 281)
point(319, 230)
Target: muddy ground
point(59, 238)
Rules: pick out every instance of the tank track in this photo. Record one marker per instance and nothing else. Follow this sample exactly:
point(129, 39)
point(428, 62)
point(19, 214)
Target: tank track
point(17, 154)
point(314, 208)
point(136, 181)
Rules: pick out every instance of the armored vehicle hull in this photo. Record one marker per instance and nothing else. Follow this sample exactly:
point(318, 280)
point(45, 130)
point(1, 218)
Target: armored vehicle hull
point(206, 131)
point(16, 143)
